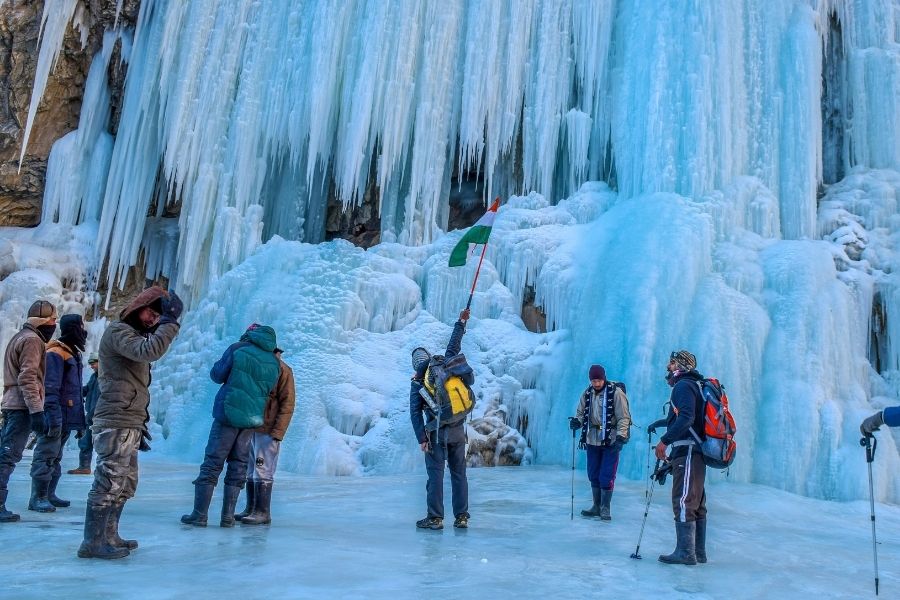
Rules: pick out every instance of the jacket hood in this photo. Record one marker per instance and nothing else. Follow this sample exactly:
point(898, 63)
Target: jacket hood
point(260, 335)
point(151, 297)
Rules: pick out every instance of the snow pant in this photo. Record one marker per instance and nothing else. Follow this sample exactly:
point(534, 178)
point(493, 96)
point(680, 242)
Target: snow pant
point(688, 492)
point(602, 464)
point(13, 437)
point(47, 455)
point(116, 474)
point(263, 457)
point(85, 449)
point(229, 444)
point(449, 446)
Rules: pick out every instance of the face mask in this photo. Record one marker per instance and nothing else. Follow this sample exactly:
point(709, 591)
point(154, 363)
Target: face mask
point(670, 378)
point(74, 339)
point(47, 331)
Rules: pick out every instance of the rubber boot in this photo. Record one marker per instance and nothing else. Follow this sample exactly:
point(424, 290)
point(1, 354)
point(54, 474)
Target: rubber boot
point(53, 498)
point(112, 530)
point(684, 553)
point(39, 501)
point(229, 500)
point(6, 516)
point(202, 497)
point(605, 498)
point(593, 511)
point(94, 544)
point(261, 513)
point(251, 501)
point(700, 541)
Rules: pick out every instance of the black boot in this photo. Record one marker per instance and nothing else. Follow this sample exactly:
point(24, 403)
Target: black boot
point(6, 516)
point(229, 500)
point(94, 544)
point(112, 530)
point(53, 498)
point(593, 511)
point(261, 513)
point(251, 501)
point(39, 501)
point(605, 498)
point(202, 497)
point(684, 553)
point(700, 541)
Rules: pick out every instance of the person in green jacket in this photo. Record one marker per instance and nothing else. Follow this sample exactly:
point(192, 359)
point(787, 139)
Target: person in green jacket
point(248, 372)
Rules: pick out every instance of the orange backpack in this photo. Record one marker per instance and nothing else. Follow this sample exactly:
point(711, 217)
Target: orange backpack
point(718, 445)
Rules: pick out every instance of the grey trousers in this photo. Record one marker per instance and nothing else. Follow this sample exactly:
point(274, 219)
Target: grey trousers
point(48, 453)
point(116, 474)
point(263, 457)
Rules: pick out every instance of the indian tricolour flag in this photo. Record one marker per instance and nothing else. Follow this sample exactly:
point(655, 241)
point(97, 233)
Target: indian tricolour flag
point(477, 234)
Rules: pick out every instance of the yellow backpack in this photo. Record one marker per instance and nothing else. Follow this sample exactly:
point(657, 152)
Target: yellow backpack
point(445, 389)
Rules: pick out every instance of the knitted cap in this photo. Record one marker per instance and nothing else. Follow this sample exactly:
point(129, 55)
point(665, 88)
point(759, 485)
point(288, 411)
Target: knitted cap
point(684, 360)
point(596, 372)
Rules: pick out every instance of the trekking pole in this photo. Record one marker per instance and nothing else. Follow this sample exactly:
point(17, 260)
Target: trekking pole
point(572, 509)
point(870, 444)
point(637, 551)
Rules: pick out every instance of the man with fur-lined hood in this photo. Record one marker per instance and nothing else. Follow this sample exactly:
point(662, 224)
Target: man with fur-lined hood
point(23, 392)
point(143, 334)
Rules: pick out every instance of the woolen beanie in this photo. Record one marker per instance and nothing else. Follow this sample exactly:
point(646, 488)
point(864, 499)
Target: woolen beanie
point(41, 313)
point(684, 360)
point(596, 372)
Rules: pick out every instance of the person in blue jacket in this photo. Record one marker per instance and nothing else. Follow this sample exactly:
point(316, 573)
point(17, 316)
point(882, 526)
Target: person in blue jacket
point(63, 412)
point(447, 444)
point(90, 392)
point(890, 416)
point(248, 372)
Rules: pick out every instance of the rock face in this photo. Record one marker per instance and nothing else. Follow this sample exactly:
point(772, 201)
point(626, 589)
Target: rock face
point(21, 190)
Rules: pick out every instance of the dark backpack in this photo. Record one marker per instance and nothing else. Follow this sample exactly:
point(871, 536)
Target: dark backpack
point(446, 389)
point(718, 446)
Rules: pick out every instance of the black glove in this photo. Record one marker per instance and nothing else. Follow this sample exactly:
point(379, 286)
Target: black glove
point(661, 472)
point(52, 430)
point(171, 307)
point(619, 443)
point(871, 424)
point(79, 434)
point(145, 437)
point(37, 423)
point(574, 423)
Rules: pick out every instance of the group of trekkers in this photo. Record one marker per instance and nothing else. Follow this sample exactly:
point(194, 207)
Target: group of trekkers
point(43, 393)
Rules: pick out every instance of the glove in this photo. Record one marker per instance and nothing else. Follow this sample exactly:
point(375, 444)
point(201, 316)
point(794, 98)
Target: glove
point(79, 434)
point(618, 444)
point(145, 437)
point(52, 430)
point(659, 475)
point(651, 429)
point(171, 307)
point(871, 424)
point(574, 423)
point(37, 423)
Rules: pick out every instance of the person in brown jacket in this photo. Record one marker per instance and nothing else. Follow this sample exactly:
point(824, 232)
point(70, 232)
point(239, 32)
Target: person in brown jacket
point(143, 334)
point(23, 392)
point(265, 446)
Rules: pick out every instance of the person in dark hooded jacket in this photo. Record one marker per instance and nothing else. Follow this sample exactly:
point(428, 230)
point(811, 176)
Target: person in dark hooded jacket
point(248, 372)
point(143, 334)
point(63, 412)
point(23, 392)
point(90, 392)
point(684, 421)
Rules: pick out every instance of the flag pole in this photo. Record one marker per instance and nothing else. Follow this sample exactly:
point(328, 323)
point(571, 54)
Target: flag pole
point(474, 281)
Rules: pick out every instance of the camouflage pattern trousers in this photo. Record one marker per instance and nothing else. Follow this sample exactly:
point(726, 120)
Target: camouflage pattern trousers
point(116, 475)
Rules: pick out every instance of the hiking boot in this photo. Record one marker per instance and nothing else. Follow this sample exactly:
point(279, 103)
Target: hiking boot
point(605, 498)
point(112, 530)
point(430, 523)
point(700, 541)
point(39, 501)
point(251, 501)
point(53, 498)
point(229, 500)
point(79, 471)
point(461, 522)
point(261, 514)
point(593, 511)
point(94, 544)
point(6, 516)
point(684, 553)
point(203, 493)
